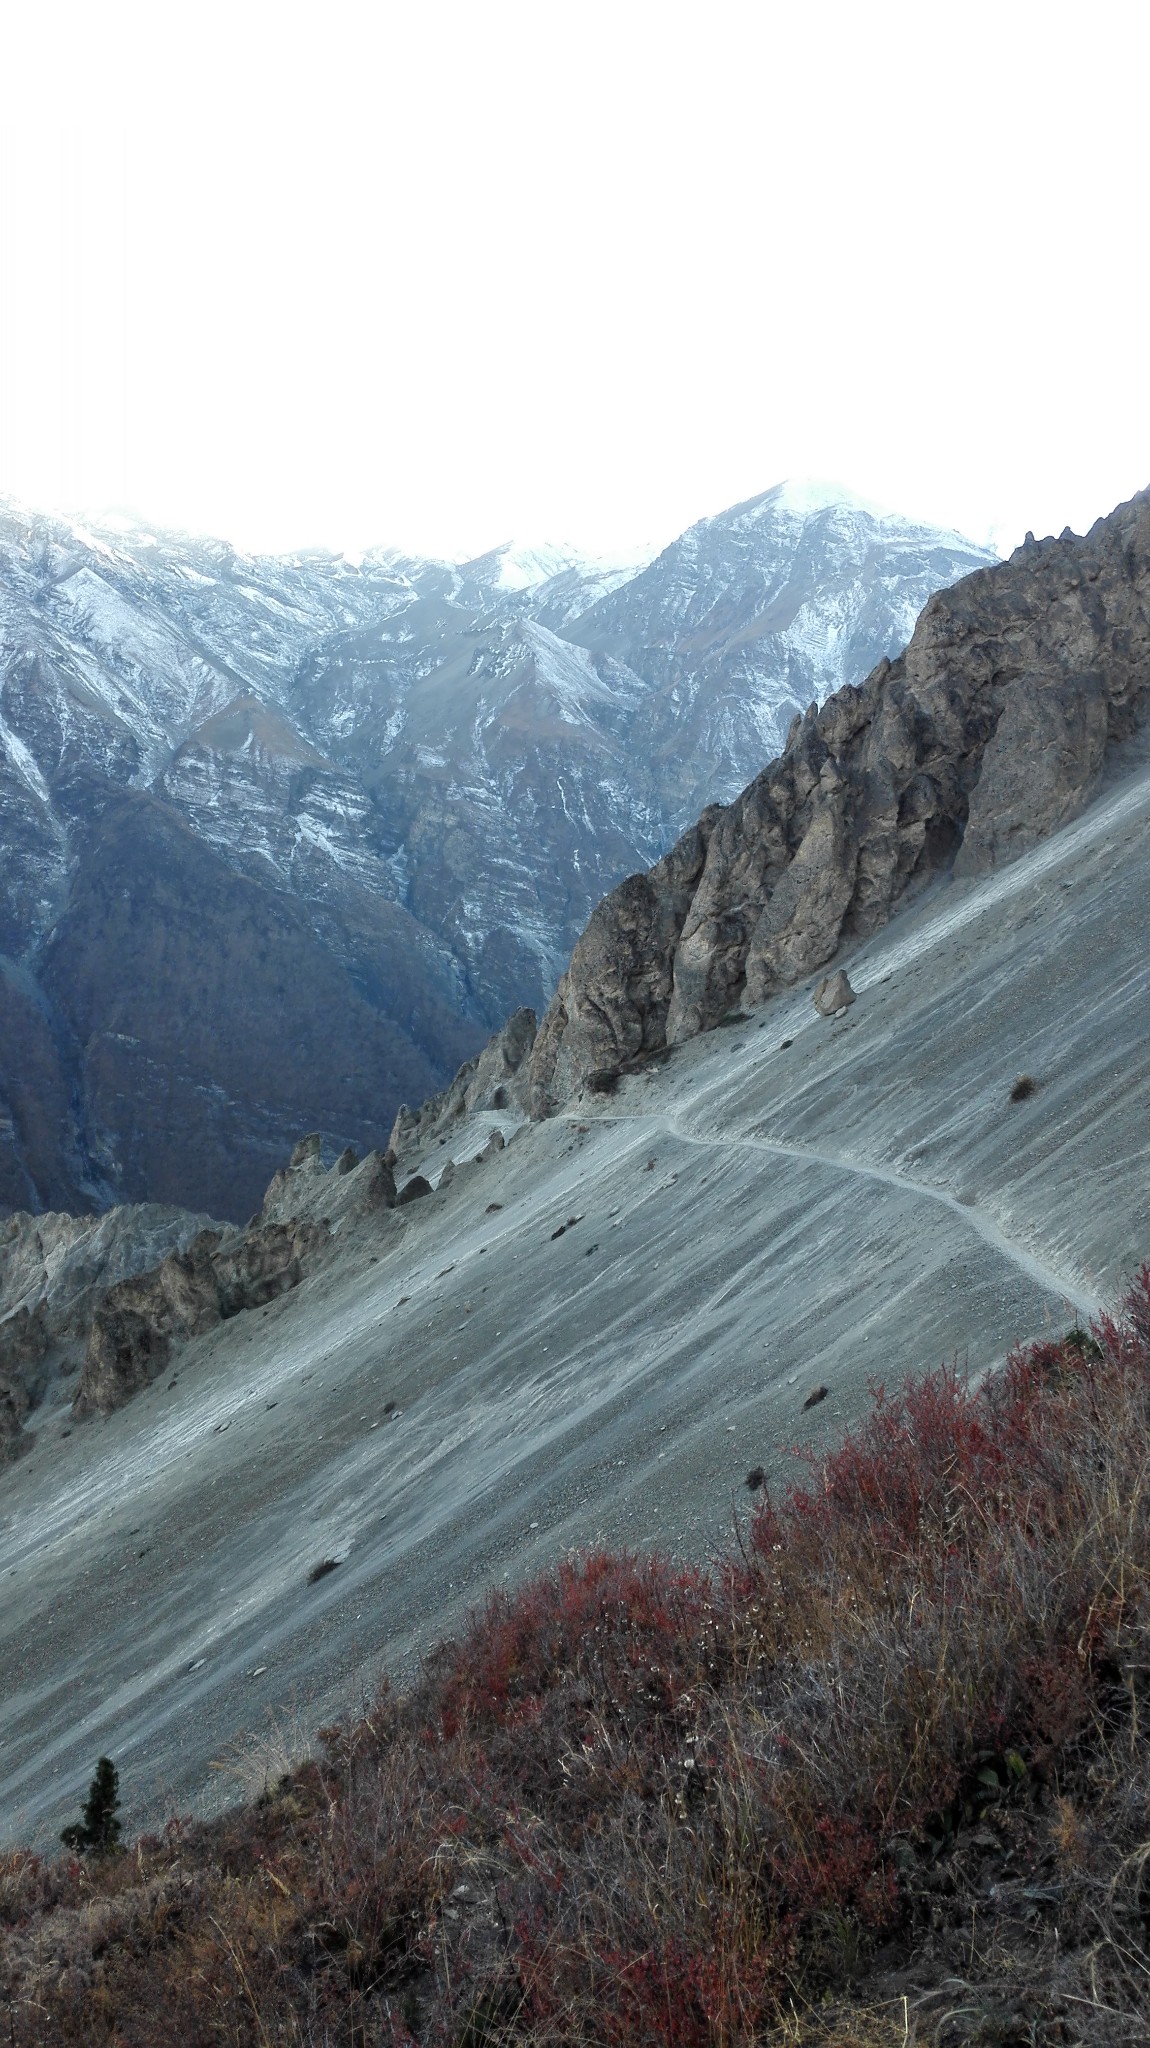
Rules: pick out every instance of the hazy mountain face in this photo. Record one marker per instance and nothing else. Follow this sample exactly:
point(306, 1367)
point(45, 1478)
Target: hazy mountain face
point(281, 839)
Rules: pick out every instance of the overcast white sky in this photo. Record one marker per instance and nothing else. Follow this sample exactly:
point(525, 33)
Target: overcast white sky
point(438, 273)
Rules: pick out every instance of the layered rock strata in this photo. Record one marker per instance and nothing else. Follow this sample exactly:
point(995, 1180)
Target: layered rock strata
point(990, 731)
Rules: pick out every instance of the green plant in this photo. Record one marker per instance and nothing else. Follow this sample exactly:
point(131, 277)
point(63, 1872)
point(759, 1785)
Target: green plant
point(99, 1830)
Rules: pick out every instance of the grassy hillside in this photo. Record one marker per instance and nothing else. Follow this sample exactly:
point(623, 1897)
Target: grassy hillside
point(881, 1775)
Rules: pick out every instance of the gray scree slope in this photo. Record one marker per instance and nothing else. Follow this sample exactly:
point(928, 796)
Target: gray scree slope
point(862, 1202)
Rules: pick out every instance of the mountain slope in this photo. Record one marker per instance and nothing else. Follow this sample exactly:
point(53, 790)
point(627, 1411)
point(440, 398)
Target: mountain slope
point(824, 1203)
point(1018, 687)
point(430, 772)
point(751, 616)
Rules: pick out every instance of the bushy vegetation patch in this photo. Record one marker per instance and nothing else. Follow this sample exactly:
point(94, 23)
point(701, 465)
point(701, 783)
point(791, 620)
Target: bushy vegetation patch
point(881, 1775)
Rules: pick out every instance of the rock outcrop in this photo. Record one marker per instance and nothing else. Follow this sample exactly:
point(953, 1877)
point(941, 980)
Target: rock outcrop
point(138, 1324)
point(497, 1078)
point(139, 1321)
point(54, 1270)
point(989, 732)
point(112, 1296)
point(22, 1347)
point(306, 1190)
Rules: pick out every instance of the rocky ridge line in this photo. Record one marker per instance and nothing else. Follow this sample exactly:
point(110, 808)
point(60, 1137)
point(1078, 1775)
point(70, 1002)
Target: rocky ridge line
point(113, 1297)
point(990, 731)
point(284, 838)
point(496, 1079)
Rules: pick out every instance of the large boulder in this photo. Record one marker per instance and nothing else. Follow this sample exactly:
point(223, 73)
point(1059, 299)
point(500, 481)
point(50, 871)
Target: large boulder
point(834, 994)
point(990, 731)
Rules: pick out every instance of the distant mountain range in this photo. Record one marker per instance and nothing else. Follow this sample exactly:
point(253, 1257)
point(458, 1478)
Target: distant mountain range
point(282, 838)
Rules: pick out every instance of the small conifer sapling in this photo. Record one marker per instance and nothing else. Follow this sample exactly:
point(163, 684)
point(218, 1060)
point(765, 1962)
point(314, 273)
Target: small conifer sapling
point(99, 1830)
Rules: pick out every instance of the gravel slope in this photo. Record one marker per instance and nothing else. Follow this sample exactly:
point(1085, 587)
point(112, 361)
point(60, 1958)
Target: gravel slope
point(855, 1204)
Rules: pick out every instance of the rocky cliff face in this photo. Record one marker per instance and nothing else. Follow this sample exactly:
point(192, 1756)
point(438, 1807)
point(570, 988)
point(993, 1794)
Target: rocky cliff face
point(112, 1298)
point(990, 731)
point(283, 839)
point(137, 1324)
point(496, 1079)
point(54, 1272)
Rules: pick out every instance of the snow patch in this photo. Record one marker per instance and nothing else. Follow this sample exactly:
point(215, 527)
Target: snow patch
point(567, 671)
point(24, 764)
point(525, 565)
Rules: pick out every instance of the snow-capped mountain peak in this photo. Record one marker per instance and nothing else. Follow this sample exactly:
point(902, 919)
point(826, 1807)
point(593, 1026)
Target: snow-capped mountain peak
point(805, 496)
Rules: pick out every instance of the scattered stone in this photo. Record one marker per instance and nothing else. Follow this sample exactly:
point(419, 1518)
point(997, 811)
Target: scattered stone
point(834, 994)
point(816, 1395)
point(322, 1569)
point(754, 1479)
point(413, 1190)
